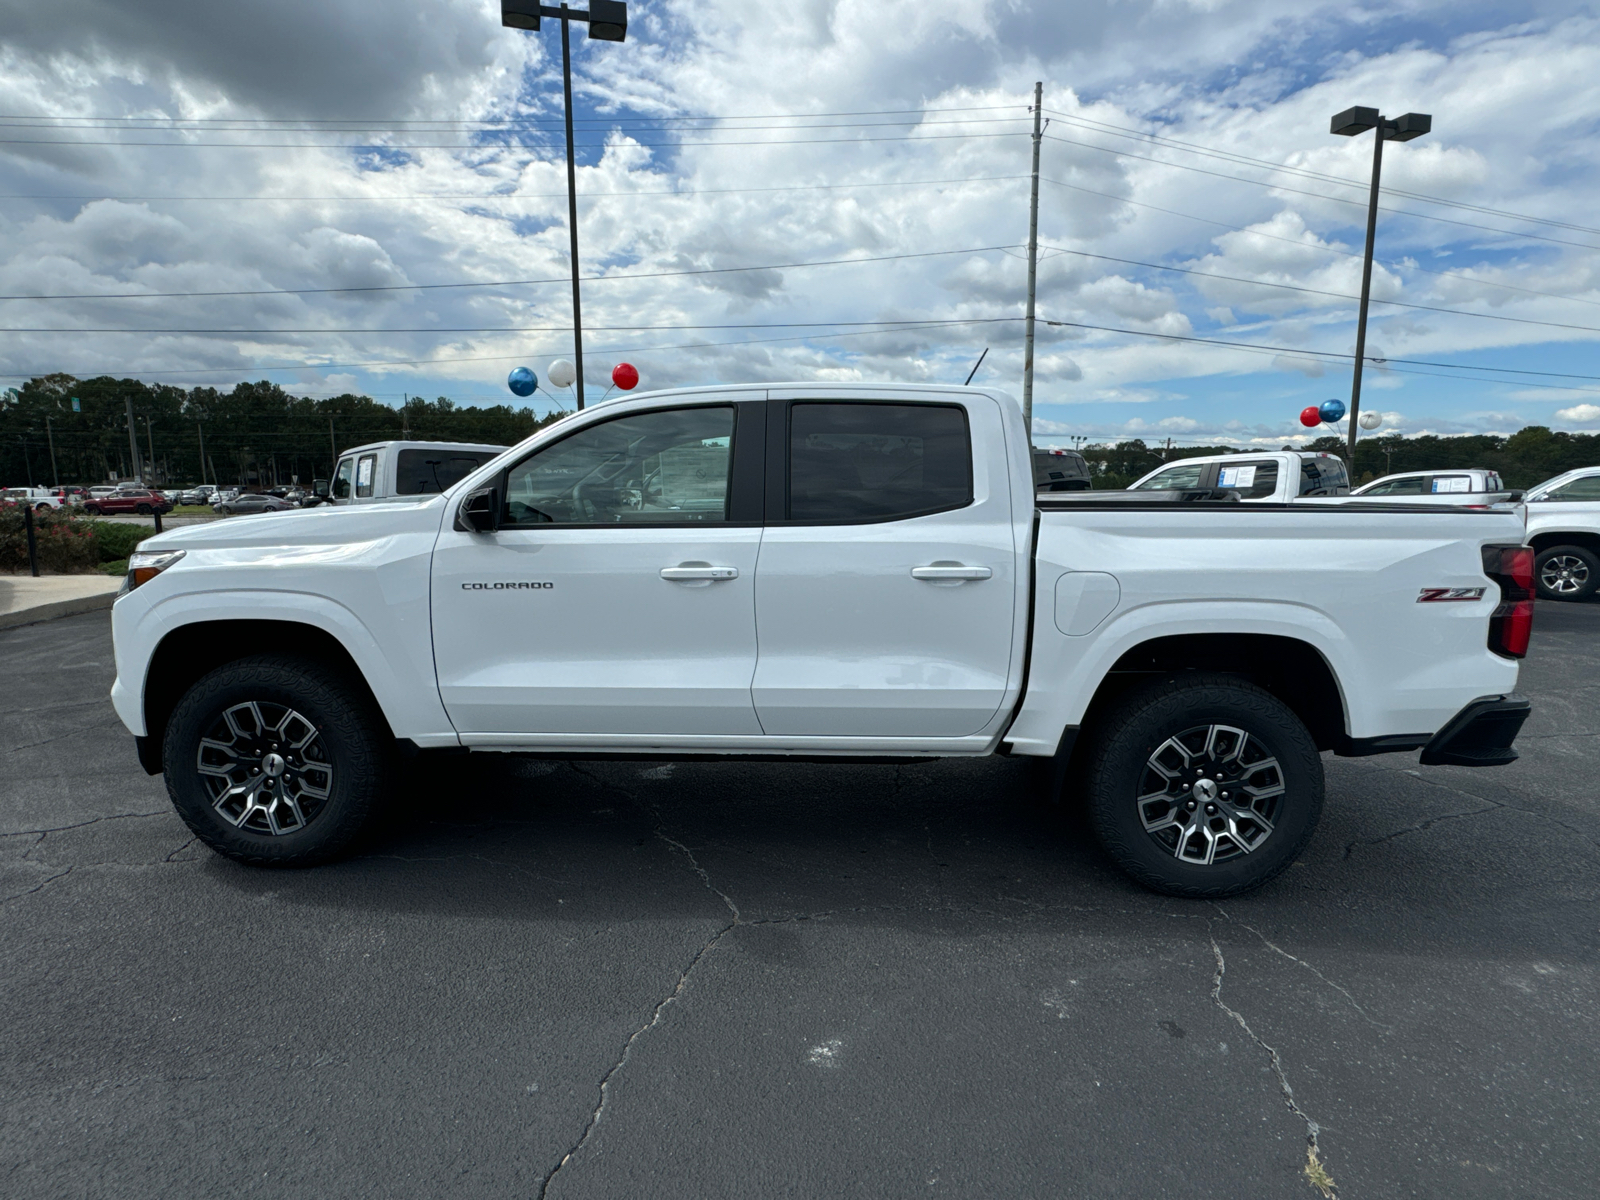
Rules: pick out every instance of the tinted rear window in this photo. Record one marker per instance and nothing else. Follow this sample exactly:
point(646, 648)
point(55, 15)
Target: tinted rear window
point(1322, 475)
point(422, 472)
point(1252, 480)
point(877, 462)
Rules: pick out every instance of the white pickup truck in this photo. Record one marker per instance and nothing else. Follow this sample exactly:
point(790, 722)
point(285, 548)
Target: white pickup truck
point(816, 571)
point(1564, 531)
point(1270, 477)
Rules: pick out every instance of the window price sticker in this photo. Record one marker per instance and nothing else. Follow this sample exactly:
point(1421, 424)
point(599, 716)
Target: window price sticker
point(1237, 477)
point(1452, 483)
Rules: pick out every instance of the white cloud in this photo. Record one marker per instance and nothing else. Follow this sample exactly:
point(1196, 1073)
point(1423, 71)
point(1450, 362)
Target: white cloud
point(1579, 414)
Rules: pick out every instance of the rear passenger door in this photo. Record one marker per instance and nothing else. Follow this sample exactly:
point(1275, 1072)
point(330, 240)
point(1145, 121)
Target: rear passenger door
point(886, 584)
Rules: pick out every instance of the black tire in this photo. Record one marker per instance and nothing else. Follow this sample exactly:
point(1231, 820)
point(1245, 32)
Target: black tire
point(92, 509)
point(1573, 573)
point(348, 756)
point(1121, 783)
point(224, 510)
point(144, 510)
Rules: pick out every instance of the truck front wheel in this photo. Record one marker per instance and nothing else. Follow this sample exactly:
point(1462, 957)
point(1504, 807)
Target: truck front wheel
point(276, 761)
point(1203, 785)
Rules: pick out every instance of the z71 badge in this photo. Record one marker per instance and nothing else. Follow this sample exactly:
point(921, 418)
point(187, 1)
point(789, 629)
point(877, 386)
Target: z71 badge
point(1430, 595)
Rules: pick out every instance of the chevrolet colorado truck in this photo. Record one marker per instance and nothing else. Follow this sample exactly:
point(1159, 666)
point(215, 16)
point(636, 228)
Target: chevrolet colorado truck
point(822, 572)
point(1262, 477)
point(1564, 531)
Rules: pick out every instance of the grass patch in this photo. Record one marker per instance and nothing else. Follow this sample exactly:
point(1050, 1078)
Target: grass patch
point(1317, 1175)
point(192, 510)
point(118, 567)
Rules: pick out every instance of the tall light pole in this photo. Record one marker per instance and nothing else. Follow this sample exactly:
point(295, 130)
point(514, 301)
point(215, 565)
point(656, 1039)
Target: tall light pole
point(1033, 267)
point(1389, 129)
point(608, 22)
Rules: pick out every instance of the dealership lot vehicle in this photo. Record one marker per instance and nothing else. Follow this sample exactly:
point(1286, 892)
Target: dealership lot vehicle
point(252, 502)
point(1061, 471)
point(1275, 478)
point(396, 470)
point(127, 500)
point(1444, 485)
point(911, 599)
point(1564, 531)
point(42, 499)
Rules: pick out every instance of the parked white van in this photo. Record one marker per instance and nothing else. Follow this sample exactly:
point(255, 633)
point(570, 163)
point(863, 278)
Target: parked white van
point(399, 470)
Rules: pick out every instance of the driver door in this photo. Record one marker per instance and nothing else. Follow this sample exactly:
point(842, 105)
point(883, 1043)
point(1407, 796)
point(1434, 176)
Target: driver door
point(617, 597)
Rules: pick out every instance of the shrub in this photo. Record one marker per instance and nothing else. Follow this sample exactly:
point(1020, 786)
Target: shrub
point(66, 545)
point(116, 541)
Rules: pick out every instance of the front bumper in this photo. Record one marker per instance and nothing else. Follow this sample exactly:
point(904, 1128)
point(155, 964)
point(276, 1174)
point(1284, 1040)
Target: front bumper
point(1480, 735)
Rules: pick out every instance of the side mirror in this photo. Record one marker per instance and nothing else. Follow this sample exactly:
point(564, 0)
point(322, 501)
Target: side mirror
point(319, 488)
point(480, 511)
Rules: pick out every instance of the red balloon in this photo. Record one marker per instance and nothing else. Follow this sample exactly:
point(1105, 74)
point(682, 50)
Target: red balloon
point(625, 376)
point(1311, 417)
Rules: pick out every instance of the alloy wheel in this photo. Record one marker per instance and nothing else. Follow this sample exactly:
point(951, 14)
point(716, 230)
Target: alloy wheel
point(265, 768)
point(1564, 574)
point(1210, 794)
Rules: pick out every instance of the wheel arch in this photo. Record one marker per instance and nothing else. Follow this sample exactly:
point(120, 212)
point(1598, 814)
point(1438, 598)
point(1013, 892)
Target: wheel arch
point(1292, 670)
point(191, 651)
point(1543, 540)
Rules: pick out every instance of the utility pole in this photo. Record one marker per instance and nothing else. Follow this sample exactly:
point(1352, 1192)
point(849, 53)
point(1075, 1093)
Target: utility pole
point(1033, 265)
point(150, 441)
point(55, 477)
point(334, 446)
point(199, 429)
point(133, 444)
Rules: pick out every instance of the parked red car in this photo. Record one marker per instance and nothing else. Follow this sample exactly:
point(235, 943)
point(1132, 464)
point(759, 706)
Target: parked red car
point(129, 500)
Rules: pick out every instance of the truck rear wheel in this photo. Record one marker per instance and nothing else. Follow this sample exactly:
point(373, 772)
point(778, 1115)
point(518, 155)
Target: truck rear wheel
point(1567, 573)
point(1203, 785)
point(276, 761)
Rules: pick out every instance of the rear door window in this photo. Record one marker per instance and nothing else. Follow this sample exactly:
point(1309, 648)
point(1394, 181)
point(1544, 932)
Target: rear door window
point(425, 472)
point(864, 461)
point(1183, 475)
point(1252, 480)
point(1448, 484)
point(366, 469)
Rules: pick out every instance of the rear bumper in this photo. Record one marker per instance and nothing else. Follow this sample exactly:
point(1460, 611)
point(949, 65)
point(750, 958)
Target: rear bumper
point(1480, 735)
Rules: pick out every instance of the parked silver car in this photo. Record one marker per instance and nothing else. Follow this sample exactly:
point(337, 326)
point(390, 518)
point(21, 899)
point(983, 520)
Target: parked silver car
point(252, 503)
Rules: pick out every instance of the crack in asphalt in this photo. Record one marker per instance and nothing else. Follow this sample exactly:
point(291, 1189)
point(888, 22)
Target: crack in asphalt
point(173, 856)
point(1277, 949)
point(1460, 791)
point(66, 733)
point(1417, 828)
point(38, 887)
point(160, 812)
point(1314, 1171)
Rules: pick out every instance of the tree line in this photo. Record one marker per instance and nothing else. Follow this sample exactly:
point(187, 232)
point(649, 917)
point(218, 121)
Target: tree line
point(258, 434)
point(60, 429)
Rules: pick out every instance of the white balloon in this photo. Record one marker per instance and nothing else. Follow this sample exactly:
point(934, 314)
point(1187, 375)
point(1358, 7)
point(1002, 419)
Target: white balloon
point(1371, 419)
point(562, 373)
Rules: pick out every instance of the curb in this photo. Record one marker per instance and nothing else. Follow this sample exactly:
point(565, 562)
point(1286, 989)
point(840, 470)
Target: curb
point(58, 608)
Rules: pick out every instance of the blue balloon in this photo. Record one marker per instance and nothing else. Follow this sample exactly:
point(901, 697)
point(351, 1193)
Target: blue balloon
point(523, 381)
point(1331, 410)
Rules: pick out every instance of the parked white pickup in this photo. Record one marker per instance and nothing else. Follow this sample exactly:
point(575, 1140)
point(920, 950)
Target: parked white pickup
point(814, 571)
point(1276, 477)
point(1564, 531)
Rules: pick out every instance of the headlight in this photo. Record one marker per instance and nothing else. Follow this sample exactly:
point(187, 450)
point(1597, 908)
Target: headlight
point(145, 565)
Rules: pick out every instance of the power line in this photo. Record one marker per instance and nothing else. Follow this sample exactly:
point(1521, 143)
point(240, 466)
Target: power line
point(1305, 173)
point(1322, 248)
point(804, 187)
point(1132, 262)
point(910, 323)
point(376, 147)
point(869, 112)
point(1402, 212)
point(423, 287)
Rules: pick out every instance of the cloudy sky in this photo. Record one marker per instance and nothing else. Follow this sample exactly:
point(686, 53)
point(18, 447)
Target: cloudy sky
point(732, 153)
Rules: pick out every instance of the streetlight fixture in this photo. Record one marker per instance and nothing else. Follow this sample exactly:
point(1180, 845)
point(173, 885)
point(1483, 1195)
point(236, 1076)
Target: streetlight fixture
point(608, 22)
point(1389, 129)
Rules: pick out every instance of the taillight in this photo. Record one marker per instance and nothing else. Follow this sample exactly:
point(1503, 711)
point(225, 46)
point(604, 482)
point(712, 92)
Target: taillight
point(1511, 624)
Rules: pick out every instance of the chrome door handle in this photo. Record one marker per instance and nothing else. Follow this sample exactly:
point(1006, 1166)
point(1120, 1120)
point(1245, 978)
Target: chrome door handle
point(942, 572)
point(690, 572)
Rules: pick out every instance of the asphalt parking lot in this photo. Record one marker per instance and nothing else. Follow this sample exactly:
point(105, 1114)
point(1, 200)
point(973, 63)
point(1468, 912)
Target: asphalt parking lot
point(751, 980)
